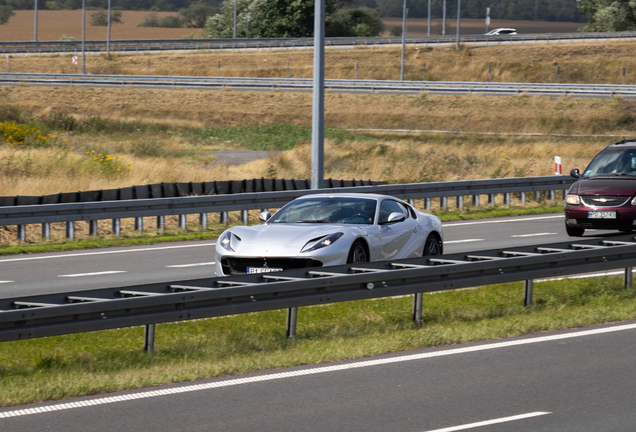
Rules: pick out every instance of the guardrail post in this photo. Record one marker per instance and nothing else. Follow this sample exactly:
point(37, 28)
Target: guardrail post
point(46, 230)
point(245, 216)
point(411, 201)
point(161, 223)
point(507, 198)
point(537, 196)
point(92, 227)
point(149, 338)
point(551, 195)
point(182, 221)
point(203, 220)
point(292, 316)
point(459, 202)
point(443, 203)
point(21, 232)
point(427, 203)
point(527, 297)
point(417, 308)
point(223, 218)
point(628, 278)
point(491, 199)
point(139, 224)
point(476, 200)
point(117, 227)
point(522, 198)
point(70, 230)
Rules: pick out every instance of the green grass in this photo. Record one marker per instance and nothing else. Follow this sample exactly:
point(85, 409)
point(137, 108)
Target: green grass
point(89, 363)
point(280, 136)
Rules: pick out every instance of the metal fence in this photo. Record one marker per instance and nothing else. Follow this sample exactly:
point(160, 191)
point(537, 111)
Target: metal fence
point(453, 87)
point(70, 213)
point(149, 304)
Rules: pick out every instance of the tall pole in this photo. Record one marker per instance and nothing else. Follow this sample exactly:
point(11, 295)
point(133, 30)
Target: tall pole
point(108, 33)
point(428, 28)
point(459, 5)
point(318, 106)
point(403, 40)
point(444, 19)
point(35, 25)
point(83, 36)
point(234, 36)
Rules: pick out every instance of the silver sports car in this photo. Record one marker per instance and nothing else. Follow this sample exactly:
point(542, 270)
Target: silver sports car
point(329, 229)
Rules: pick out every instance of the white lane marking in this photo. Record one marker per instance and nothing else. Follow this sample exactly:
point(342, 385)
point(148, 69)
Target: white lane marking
point(452, 224)
point(463, 241)
point(105, 252)
point(6, 281)
point(192, 265)
point(491, 422)
point(316, 370)
point(533, 235)
point(93, 274)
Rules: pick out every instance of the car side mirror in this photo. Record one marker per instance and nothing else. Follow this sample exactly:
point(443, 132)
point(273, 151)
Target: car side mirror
point(396, 217)
point(264, 216)
point(575, 173)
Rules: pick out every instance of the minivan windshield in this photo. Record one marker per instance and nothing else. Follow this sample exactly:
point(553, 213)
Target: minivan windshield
point(612, 162)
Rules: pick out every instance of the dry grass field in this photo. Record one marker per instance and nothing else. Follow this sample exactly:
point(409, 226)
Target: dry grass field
point(53, 24)
point(579, 63)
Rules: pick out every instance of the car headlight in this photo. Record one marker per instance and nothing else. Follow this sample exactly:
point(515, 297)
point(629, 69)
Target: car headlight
point(320, 243)
point(225, 241)
point(573, 199)
point(633, 201)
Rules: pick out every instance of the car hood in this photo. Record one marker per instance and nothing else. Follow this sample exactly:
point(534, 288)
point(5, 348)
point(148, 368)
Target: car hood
point(281, 239)
point(614, 186)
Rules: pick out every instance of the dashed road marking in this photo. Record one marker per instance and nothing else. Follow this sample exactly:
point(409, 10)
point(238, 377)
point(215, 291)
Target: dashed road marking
point(93, 274)
point(491, 422)
point(192, 265)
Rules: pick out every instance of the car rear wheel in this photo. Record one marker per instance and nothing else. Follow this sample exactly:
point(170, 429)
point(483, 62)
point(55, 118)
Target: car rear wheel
point(433, 245)
point(574, 231)
point(358, 253)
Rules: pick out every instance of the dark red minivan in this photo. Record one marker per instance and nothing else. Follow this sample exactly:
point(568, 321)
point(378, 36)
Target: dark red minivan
point(604, 196)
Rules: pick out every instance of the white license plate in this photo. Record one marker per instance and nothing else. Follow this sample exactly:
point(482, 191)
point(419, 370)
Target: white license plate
point(253, 270)
point(601, 214)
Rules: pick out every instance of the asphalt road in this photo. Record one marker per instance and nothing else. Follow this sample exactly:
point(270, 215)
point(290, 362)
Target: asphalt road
point(579, 381)
point(104, 268)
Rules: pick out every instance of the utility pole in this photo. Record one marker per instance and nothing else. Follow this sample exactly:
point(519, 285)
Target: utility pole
point(83, 36)
point(108, 33)
point(35, 25)
point(404, 11)
point(459, 6)
point(318, 104)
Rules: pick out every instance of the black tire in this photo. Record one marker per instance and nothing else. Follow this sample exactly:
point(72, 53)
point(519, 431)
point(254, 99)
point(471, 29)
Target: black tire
point(433, 245)
point(574, 231)
point(357, 253)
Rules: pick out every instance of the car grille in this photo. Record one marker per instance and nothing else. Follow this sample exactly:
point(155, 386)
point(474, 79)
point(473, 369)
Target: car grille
point(234, 265)
point(604, 200)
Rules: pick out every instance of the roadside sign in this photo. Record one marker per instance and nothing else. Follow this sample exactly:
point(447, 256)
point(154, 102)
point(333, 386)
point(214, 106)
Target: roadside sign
point(74, 60)
point(487, 20)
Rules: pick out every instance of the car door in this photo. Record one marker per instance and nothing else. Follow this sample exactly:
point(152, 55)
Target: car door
point(388, 239)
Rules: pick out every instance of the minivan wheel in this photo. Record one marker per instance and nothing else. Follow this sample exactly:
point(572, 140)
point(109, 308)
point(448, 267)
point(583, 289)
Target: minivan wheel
point(574, 231)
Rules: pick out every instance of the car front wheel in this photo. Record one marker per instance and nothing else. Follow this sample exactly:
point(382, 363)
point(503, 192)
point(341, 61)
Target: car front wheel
point(358, 253)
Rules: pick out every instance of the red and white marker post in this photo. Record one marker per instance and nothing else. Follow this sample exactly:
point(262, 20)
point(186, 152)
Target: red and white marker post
point(557, 165)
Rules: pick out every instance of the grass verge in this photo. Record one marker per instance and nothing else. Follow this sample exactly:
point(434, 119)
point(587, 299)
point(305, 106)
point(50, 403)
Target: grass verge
point(89, 363)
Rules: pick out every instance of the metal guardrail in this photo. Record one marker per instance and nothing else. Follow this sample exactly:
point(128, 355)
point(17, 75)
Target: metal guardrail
point(90, 211)
point(83, 311)
point(151, 45)
point(455, 87)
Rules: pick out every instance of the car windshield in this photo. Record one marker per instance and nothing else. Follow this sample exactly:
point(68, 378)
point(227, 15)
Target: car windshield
point(327, 210)
point(611, 163)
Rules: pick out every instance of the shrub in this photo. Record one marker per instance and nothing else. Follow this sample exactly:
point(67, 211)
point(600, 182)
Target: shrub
point(100, 18)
